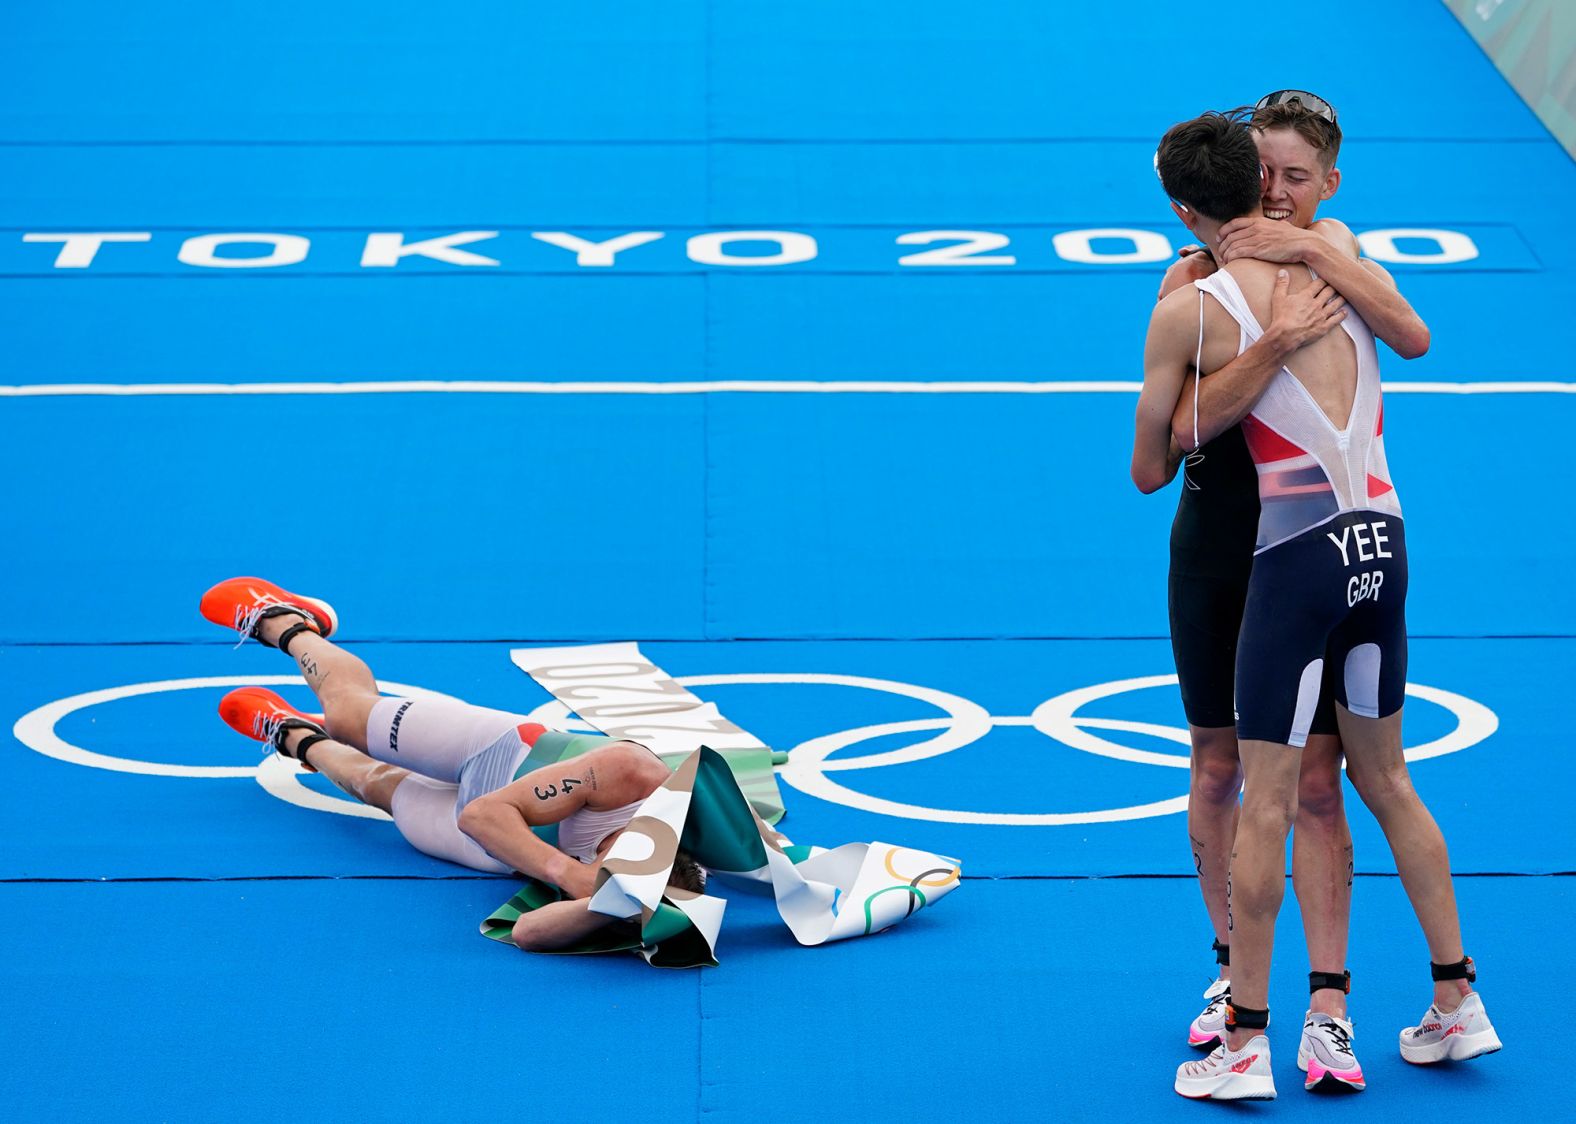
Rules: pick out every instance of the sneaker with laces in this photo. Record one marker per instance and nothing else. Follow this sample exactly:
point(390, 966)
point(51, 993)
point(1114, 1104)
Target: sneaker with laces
point(263, 716)
point(1209, 1029)
point(1457, 1036)
point(1230, 1075)
point(1325, 1053)
point(243, 603)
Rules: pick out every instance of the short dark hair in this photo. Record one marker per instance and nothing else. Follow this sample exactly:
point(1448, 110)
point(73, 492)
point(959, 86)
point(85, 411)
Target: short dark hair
point(1319, 131)
point(1211, 164)
point(687, 874)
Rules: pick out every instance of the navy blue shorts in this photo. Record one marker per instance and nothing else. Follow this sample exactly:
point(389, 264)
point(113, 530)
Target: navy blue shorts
point(1206, 621)
point(1324, 609)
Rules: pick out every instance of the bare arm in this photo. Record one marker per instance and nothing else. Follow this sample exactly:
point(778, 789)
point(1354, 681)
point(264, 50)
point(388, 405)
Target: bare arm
point(1168, 352)
point(504, 834)
point(559, 925)
point(608, 777)
point(1365, 285)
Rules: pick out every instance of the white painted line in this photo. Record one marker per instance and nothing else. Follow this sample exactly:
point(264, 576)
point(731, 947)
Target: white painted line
point(1480, 387)
point(739, 386)
point(723, 386)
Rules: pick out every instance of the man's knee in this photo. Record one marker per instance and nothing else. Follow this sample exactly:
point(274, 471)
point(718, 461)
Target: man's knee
point(1384, 786)
point(1268, 812)
point(376, 782)
point(1319, 797)
point(345, 716)
point(1217, 771)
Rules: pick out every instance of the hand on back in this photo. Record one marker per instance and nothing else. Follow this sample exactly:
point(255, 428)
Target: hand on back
point(1305, 315)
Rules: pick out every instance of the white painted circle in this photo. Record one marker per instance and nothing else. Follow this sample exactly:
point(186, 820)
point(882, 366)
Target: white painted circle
point(804, 771)
point(967, 721)
point(278, 776)
point(1057, 718)
point(281, 777)
point(808, 765)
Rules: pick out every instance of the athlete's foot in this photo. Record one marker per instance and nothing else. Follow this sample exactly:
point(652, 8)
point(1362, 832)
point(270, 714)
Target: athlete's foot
point(1209, 1028)
point(244, 603)
point(1325, 1054)
point(263, 716)
point(1450, 1035)
point(1230, 1075)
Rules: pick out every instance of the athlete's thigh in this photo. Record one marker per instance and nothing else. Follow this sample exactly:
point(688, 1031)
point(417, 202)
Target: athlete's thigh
point(1269, 773)
point(1206, 619)
point(434, 737)
point(425, 810)
point(1324, 715)
point(1375, 760)
point(1368, 648)
point(1280, 657)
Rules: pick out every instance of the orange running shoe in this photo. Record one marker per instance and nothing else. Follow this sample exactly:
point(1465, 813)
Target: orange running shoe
point(265, 717)
point(243, 603)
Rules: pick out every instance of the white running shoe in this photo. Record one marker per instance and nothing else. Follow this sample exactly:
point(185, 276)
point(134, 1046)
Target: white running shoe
point(1209, 1028)
point(1325, 1053)
point(1463, 1033)
point(1230, 1075)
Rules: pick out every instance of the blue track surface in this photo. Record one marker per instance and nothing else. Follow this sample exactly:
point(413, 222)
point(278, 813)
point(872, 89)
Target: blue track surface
point(984, 544)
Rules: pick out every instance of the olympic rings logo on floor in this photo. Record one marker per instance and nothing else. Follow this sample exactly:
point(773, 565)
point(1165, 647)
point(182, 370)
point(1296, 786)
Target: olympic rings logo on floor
point(811, 768)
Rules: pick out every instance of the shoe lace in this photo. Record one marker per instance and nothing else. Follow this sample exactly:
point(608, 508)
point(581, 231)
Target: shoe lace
point(248, 616)
point(1203, 1066)
point(1213, 1007)
point(1334, 1033)
point(1340, 1036)
point(267, 728)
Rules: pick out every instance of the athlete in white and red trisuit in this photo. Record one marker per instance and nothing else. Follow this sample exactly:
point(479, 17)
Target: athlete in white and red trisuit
point(1327, 589)
point(454, 777)
point(1212, 541)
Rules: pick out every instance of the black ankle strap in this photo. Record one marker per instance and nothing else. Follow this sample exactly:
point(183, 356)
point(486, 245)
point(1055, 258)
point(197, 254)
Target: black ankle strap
point(1336, 981)
point(290, 634)
point(276, 611)
point(285, 726)
point(1222, 953)
point(1246, 1018)
point(1462, 969)
point(305, 744)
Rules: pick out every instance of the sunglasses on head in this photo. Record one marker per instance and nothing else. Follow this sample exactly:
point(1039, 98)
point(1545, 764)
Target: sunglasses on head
point(1313, 103)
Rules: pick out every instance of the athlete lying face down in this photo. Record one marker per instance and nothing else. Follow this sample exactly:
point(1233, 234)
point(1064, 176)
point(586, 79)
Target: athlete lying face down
point(451, 775)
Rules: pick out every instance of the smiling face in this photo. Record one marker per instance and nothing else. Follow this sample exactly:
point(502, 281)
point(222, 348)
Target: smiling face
point(1295, 178)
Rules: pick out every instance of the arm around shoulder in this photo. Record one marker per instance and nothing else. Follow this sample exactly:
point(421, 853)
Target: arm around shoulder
point(1415, 339)
point(1369, 288)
